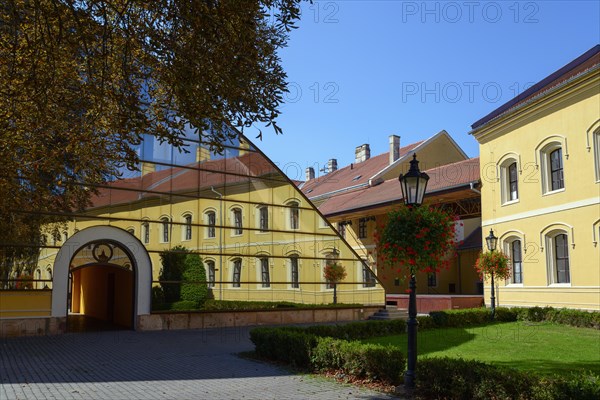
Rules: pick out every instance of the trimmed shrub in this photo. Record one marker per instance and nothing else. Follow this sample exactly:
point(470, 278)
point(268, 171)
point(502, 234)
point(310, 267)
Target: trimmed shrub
point(359, 330)
point(158, 298)
point(372, 361)
point(173, 265)
point(197, 290)
point(292, 346)
point(563, 316)
point(449, 378)
point(183, 305)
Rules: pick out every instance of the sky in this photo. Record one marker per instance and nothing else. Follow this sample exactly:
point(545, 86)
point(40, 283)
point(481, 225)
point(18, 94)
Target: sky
point(360, 71)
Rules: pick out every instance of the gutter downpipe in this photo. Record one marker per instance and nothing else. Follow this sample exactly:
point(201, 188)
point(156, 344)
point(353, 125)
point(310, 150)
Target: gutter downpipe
point(212, 188)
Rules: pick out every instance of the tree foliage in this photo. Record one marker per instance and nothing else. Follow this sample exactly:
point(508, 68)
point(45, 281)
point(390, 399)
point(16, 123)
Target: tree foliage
point(171, 272)
point(82, 81)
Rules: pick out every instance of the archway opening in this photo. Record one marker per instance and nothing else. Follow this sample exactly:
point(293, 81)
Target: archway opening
point(101, 288)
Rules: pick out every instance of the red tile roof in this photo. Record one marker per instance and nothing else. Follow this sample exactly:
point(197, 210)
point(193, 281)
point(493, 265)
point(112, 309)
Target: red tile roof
point(182, 180)
point(440, 178)
point(351, 175)
point(587, 61)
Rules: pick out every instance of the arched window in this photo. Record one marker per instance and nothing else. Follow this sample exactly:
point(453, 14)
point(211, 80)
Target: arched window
point(237, 221)
point(145, 232)
point(516, 257)
point(263, 218)
point(187, 227)
point(211, 273)
point(237, 273)
point(131, 231)
point(294, 272)
point(597, 153)
point(265, 278)
point(557, 257)
point(368, 277)
point(294, 215)
point(165, 229)
point(552, 168)
point(211, 222)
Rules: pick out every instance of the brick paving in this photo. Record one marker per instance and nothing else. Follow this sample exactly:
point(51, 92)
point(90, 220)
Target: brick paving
point(190, 364)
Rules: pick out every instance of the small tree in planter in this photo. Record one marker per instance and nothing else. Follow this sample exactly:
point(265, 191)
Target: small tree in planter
point(493, 264)
point(333, 273)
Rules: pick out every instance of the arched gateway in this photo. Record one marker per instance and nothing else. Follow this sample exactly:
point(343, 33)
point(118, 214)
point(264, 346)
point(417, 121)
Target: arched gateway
point(107, 236)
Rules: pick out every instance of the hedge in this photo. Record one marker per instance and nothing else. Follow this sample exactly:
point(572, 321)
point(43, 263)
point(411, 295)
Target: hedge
point(451, 378)
point(371, 361)
point(292, 346)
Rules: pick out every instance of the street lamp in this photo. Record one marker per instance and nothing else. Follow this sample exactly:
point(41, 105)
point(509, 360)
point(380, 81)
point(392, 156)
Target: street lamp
point(491, 240)
point(413, 185)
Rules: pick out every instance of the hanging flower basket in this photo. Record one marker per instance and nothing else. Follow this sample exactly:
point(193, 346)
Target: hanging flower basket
point(416, 239)
point(495, 262)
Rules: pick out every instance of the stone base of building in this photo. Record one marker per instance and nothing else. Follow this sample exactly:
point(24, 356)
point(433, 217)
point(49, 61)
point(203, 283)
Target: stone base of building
point(32, 326)
point(224, 319)
point(439, 302)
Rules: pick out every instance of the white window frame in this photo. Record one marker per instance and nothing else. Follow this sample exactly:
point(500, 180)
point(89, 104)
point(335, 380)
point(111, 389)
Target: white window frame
point(293, 215)
point(596, 142)
point(210, 270)
point(237, 230)
point(187, 228)
point(545, 167)
point(551, 257)
point(505, 180)
point(236, 284)
point(508, 249)
point(165, 229)
point(294, 285)
point(145, 232)
point(363, 266)
point(262, 262)
point(211, 230)
point(259, 218)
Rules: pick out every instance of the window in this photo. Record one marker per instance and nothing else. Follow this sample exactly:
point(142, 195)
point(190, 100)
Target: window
point(432, 279)
point(146, 232)
point(597, 153)
point(294, 272)
point(166, 227)
point(187, 227)
point(237, 221)
point(517, 261)
point(131, 231)
point(552, 167)
point(509, 180)
point(556, 169)
point(557, 257)
point(264, 272)
point(49, 273)
point(368, 276)
point(210, 266)
point(362, 228)
point(561, 257)
point(211, 221)
point(263, 215)
point(294, 215)
point(237, 272)
point(341, 226)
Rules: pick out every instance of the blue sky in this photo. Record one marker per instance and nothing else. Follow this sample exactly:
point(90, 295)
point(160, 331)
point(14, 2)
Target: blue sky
point(360, 71)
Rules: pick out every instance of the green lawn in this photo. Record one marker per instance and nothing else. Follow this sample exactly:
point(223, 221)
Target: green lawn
point(543, 348)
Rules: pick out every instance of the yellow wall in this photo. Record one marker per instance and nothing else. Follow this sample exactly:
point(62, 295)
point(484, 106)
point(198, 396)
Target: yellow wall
point(568, 114)
point(25, 303)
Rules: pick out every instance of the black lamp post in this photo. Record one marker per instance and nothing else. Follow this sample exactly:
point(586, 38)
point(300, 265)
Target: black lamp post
point(413, 185)
point(491, 241)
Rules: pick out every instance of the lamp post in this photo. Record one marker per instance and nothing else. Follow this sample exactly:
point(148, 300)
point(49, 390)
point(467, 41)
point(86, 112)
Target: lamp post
point(491, 240)
point(413, 185)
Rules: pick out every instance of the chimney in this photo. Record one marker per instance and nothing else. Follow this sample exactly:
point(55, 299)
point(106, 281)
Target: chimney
point(147, 168)
point(394, 148)
point(362, 153)
point(202, 154)
point(331, 165)
point(310, 173)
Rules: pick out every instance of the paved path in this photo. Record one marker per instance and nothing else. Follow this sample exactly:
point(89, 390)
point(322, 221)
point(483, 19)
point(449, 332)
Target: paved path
point(192, 364)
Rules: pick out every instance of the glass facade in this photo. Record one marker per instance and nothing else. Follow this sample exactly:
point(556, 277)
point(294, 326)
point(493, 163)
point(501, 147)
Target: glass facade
point(258, 236)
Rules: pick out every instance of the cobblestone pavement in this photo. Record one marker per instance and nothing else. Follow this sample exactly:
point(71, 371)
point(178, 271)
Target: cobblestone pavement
point(190, 364)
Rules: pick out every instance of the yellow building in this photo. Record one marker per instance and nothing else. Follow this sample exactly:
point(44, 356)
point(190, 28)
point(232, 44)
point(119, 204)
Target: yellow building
point(259, 237)
point(540, 168)
point(357, 198)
